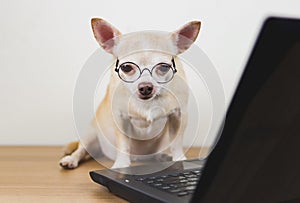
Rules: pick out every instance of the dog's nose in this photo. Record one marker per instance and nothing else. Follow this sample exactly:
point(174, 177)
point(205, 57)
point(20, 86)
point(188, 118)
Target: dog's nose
point(145, 88)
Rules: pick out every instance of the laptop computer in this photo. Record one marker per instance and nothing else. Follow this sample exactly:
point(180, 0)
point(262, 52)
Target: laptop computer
point(257, 158)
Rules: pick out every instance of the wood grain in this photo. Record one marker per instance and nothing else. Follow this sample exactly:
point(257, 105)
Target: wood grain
point(32, 174)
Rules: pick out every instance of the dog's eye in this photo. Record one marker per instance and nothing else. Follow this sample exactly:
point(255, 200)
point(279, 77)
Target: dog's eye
point(163, 68)
point(126, 68)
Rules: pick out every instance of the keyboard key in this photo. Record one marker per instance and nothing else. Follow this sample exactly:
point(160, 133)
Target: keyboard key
point(192, 183)
point(190, 188)
point(140, 179)
point(174, 190)
point(173, 185)
point(159, 180)
point(165, 187)
point(171, 180)
point(193, 179)
point(196, 171)
point(182, 194)
point(182, 184)
point(191, 176)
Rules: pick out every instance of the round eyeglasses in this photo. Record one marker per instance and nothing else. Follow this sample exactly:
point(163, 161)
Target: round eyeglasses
point(131, 72)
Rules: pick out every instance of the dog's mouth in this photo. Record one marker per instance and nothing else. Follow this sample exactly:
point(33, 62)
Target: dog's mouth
point(145, 97)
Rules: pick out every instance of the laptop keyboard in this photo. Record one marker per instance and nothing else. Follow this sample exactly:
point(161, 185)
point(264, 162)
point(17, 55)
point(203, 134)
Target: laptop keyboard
point(180, 184)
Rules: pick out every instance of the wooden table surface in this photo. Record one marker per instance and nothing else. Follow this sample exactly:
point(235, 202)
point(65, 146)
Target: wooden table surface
point(32, 174)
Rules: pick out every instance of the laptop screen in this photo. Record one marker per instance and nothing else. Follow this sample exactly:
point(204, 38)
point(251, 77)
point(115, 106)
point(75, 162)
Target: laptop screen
point(257, 158)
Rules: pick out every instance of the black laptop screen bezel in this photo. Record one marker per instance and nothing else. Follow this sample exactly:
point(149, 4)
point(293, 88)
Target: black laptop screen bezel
point(276, 37)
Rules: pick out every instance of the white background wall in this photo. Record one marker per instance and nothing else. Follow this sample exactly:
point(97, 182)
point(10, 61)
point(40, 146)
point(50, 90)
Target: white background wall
point(44, 44)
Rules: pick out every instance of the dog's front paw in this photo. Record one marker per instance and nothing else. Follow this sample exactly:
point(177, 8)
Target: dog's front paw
point(162, 157)
point(120, 164)
point(179, 158)
point(68, 162)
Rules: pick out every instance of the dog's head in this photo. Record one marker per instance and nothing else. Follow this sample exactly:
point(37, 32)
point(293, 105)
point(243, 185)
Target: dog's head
point(145, 61)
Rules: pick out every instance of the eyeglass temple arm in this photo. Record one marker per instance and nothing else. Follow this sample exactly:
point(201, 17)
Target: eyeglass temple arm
point(173, 63)
point(117, 64)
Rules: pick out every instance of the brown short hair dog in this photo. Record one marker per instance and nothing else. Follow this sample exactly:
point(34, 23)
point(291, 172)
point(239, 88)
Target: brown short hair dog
point(149, 87)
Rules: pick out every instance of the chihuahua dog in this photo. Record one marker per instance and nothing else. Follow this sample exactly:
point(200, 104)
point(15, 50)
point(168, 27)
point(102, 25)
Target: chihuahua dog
point(144, 110)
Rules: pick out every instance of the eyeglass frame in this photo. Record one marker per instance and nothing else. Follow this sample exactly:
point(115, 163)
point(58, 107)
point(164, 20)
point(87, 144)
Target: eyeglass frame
point(173, 67)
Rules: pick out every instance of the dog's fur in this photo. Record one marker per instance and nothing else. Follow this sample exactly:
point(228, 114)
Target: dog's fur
point(135, 126)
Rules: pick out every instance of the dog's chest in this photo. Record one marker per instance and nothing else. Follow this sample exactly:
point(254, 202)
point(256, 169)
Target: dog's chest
point(142, 129)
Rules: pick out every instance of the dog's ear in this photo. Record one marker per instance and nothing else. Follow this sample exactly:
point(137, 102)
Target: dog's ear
point(105, 34)
point(186, 35)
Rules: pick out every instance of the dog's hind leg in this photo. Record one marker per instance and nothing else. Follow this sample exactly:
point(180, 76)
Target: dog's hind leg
point(80, 153)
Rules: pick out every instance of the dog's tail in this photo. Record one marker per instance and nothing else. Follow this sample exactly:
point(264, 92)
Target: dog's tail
point(70, 148)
